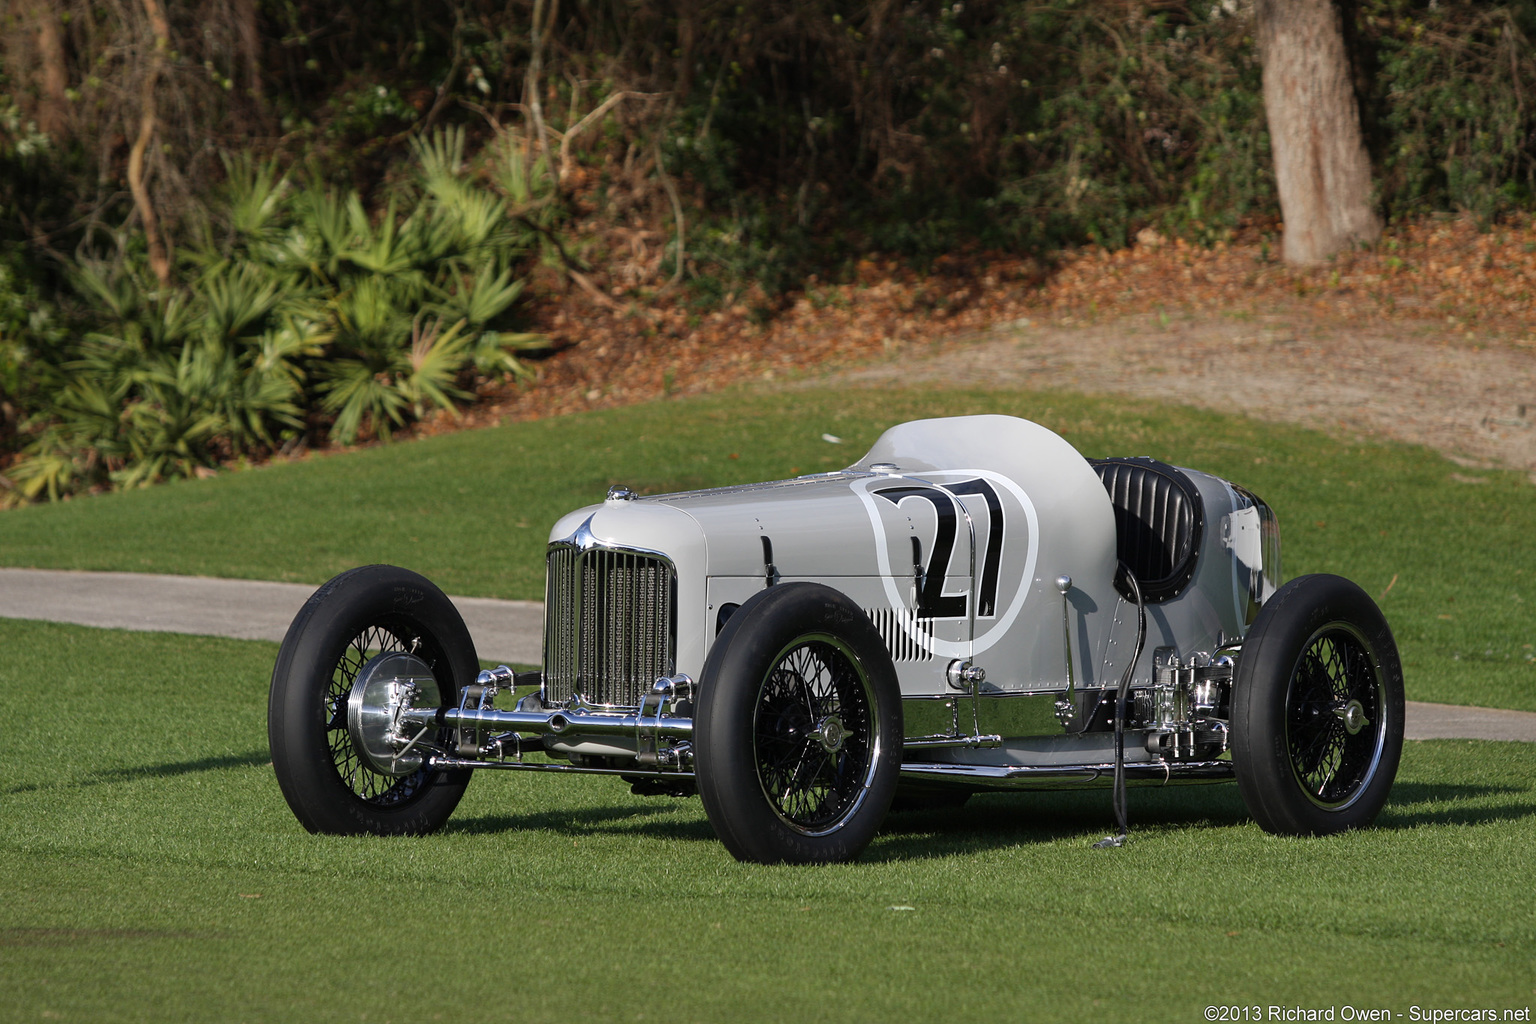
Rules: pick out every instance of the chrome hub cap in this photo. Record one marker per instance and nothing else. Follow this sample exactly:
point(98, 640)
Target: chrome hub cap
point(1353, 717)
point(831, 734)
point(385, 687)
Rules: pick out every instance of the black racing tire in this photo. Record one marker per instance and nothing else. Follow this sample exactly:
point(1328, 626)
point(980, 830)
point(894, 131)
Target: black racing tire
point(1317, 709)
point(798, 728)
point(359, 614)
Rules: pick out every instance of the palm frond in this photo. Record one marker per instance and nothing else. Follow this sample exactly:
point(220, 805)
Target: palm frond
point(491, 356)
point(237, 298)
point(436, 358)
point(440, 162)
point(356, 395)
point(254, 195)
point(483, 298)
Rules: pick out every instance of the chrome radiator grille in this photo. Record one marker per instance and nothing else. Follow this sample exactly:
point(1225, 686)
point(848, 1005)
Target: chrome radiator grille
point(609, 625)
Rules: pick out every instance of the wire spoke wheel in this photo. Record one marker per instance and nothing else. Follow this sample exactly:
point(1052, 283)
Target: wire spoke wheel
point(1317, 709)
point(812, 734)
point(1333, 717)
point(351, 620)
point(367, 784)
point(798, 728)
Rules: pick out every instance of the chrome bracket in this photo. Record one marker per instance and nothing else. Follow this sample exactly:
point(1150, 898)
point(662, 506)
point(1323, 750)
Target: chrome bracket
point(962, 674)
point(479, 696)
point(661, 702)
point(1066, 706)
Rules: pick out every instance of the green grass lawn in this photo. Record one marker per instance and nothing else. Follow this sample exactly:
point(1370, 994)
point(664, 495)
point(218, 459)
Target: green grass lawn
point(1447, 550)
point(153, 872)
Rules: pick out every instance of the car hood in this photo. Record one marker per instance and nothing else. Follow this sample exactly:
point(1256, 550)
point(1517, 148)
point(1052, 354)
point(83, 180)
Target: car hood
point(831, 524)
point(725, 526)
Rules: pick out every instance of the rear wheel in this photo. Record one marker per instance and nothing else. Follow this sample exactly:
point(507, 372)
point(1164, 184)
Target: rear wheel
point(349, 623)
point(799, 728)
point(1317, 709)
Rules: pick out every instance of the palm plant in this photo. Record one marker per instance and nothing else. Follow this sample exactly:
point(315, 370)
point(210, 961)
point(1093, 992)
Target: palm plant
point(301, 310)
point(169, 383)
point(417, 301)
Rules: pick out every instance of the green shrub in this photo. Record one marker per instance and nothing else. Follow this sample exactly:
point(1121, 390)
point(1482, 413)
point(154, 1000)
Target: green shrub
point(1455, 94)
point(303, 318)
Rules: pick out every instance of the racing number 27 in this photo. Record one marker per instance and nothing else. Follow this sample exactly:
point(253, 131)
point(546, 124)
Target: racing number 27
point(932, 602)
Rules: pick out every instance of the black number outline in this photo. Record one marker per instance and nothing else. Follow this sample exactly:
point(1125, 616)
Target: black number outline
point(932, 603)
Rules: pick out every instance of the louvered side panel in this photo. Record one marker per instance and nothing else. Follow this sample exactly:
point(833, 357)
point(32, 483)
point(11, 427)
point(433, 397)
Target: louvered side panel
point(897, 640)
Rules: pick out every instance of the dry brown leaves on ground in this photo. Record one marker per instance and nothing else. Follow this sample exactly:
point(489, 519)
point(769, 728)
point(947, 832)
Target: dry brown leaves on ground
point(1478, 287)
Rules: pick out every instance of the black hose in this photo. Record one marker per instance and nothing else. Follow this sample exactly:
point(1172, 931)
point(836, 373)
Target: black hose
point(1118, 798)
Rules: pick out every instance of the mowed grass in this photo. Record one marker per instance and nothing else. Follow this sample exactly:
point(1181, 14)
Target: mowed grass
point(154, 873)
point(1448, 551)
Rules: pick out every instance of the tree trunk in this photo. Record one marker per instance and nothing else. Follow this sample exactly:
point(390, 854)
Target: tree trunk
point(248, 32)
point(52, 112)
point(1321, 167)
point(138, 185)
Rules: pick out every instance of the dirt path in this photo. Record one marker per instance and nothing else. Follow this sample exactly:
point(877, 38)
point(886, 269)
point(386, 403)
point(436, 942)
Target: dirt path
point(1476, 405)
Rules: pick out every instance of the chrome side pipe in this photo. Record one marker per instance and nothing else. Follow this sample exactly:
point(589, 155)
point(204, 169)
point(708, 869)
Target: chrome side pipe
point(475, 712)
point(444, 761)
point(548, 722)
point(1068, 776)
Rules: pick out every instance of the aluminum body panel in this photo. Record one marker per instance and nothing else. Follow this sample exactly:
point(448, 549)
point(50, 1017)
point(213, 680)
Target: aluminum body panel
point(951, 534)
point(1209, 612)
point(956, 540)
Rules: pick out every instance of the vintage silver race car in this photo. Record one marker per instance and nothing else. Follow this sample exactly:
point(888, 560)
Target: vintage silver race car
point(972, 605)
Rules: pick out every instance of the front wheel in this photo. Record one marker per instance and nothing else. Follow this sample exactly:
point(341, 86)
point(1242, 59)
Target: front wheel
point(1317, 709)
point(349, 623)
point(799, 728)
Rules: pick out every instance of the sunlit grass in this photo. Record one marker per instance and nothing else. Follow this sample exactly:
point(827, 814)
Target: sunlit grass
point(153, 872)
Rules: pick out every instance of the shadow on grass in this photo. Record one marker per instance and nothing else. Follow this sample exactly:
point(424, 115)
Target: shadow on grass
point(988, 821)
point(992, 821)
point(1419, 803)
point(655, 821)
point(168, 770)
point(1001, 820)
point(36, 937)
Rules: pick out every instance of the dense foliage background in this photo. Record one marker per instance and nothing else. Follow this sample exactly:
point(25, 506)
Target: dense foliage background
point(354, 195)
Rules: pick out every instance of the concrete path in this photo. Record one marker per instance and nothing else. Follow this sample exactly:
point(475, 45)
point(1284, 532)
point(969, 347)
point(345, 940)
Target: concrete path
point(503, 630)
point(244, 609)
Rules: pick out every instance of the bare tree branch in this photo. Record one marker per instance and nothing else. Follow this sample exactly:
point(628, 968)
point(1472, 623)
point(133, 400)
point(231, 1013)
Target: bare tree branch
point(533, 83)
point(677, 213)
point(592, 118)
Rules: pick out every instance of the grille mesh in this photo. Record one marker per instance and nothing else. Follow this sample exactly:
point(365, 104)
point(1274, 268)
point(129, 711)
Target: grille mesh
point(610, 627)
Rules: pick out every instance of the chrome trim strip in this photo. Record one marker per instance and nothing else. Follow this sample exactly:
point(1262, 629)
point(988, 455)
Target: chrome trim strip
point(568, 769)
point(984, 776)
point(952, 741)
point(679, 497)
